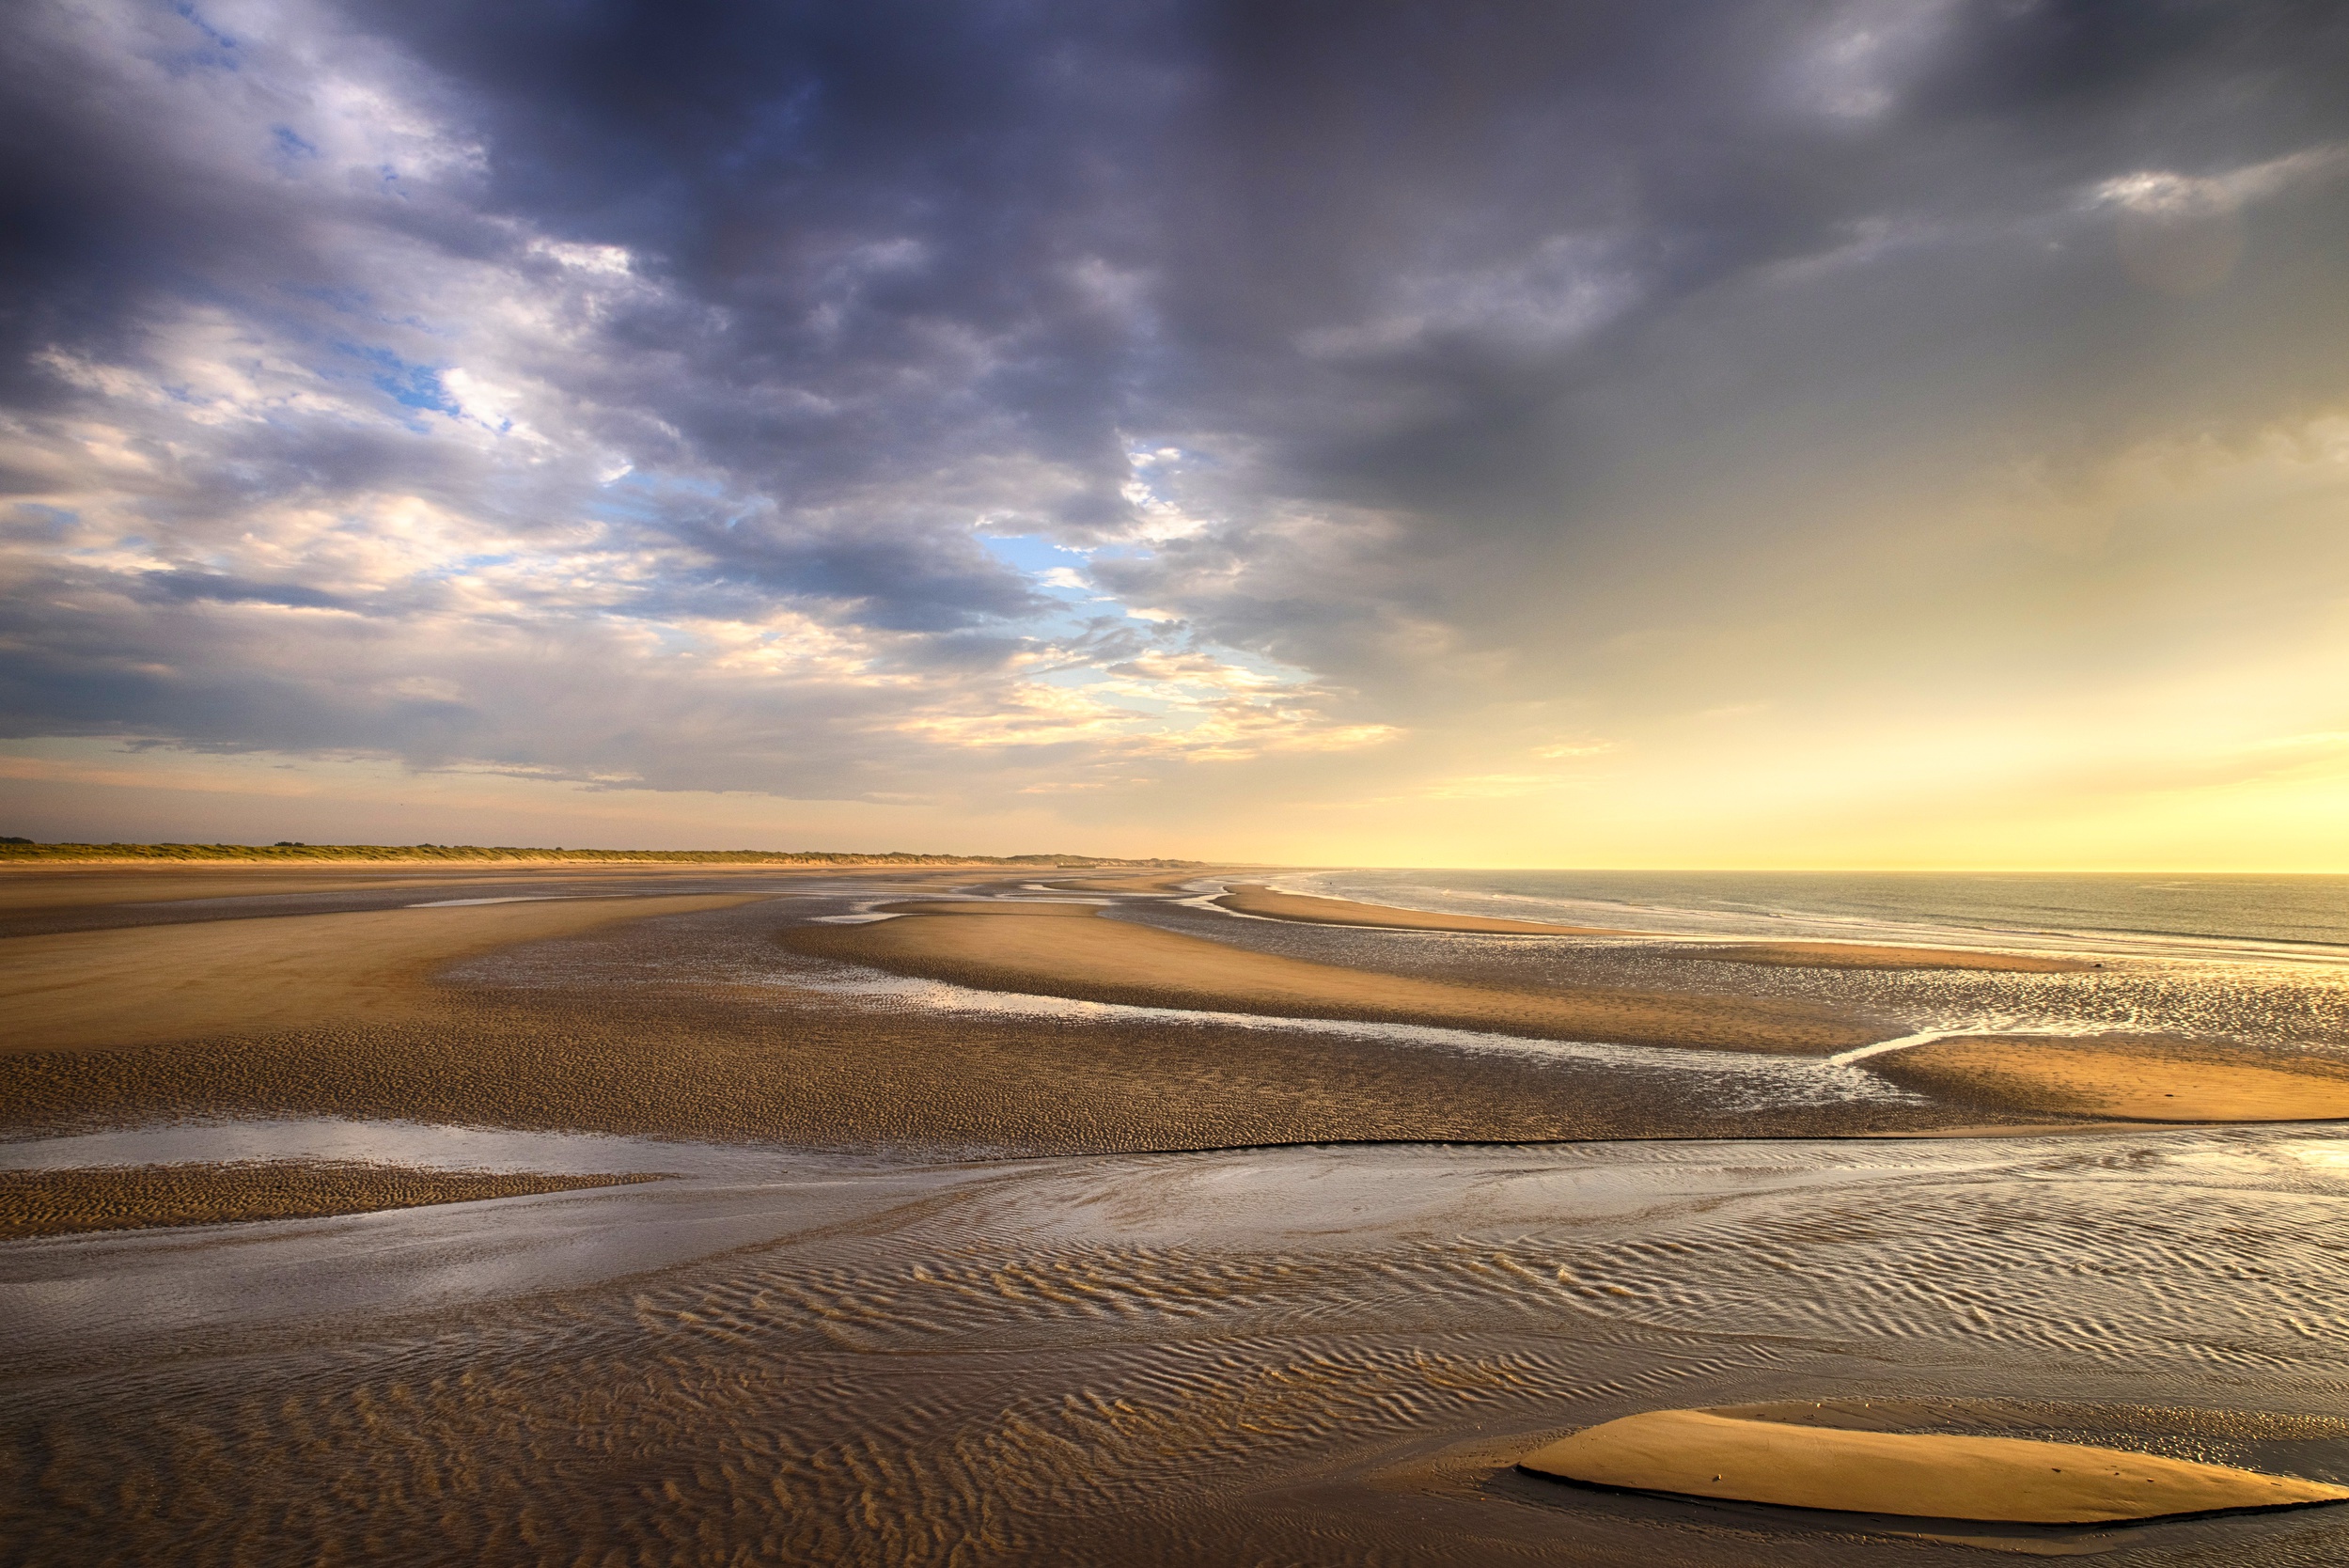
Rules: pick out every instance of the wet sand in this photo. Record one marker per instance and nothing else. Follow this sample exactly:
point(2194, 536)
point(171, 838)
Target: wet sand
point(1931, 1475)
point(1069, 950)
point(983, 1331)
point(1156, 882)
point(91, 989)
point(117, 1198)
point(1851, 955)
point(1256, 899)
point(2140, 1080)
point(1307, 1356)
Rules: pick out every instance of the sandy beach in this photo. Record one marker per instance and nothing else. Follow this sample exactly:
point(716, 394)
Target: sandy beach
point(142, 985)
point(1071, 950)
point(1035, 1166)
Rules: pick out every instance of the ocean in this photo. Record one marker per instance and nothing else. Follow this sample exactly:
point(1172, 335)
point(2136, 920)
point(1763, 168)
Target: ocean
point(2301, 917)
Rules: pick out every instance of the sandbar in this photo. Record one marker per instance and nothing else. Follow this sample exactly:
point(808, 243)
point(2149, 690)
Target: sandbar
point(1041, 948)
point(123, 1197)
point(1161, 883)
point(1256, 899)
point(1853, 955)
point(2004, 1480)
point(136, 985)
point(2128, 1078)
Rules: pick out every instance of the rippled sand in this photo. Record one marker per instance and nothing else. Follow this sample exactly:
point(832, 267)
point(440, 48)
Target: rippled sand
point(1311, 1356)
point(927, 1303)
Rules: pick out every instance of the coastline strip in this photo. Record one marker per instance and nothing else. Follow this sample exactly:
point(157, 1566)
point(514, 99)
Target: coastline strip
point(1308, 909)
point(1258, 900)
point(1859, 955)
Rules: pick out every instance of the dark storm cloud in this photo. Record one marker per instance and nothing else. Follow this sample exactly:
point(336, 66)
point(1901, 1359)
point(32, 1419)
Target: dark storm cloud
point(1463, 321)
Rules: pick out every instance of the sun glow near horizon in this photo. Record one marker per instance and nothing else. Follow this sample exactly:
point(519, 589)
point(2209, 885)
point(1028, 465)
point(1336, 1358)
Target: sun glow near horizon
point(1182, 475)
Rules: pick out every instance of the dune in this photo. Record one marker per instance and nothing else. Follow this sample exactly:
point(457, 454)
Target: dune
point(1256, 899)
point(120, 1197)
point(2126, 1078)
point(145, 985)
point(2002, 1479)
point(1049, 949)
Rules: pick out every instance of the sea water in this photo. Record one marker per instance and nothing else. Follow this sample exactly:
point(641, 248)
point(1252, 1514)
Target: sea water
point(2270, 916)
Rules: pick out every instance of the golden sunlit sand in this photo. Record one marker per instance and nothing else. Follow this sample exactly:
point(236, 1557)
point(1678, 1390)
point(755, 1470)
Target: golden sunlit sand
point(1063, 950)
point(1256, 899)
point(282, 1030)
point(2138, 1080)
point(2004, 1480)
point(96, 988)
point(118, 1197)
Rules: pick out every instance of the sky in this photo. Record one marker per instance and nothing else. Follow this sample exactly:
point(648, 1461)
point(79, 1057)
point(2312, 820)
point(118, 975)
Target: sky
point(1462, 433)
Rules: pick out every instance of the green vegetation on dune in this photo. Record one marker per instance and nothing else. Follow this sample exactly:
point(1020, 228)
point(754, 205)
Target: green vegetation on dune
point(13, 851)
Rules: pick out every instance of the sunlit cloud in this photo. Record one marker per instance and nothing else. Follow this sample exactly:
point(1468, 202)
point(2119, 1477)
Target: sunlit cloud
point(1858, 433)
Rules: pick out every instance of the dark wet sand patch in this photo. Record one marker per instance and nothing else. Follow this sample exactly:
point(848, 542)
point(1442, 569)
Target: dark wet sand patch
point(818, 1072)
point(124, 1197)
point(1040, 949)
point(2125, 1078)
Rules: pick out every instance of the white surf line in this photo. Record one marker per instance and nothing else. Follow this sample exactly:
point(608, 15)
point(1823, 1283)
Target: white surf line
point(1764, 1079)
point(1207, 901)
point(1984, 1027)
point(519, 898)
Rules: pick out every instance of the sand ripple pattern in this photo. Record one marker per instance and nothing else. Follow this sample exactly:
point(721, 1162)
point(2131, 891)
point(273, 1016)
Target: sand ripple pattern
point(1207, 1357)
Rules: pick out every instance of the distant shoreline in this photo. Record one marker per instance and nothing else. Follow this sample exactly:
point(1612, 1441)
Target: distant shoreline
point(295, 854)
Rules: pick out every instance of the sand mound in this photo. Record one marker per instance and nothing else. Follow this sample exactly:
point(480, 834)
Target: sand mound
point(1038, 950)
point(2133, 1079)
point(2003, 1480)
